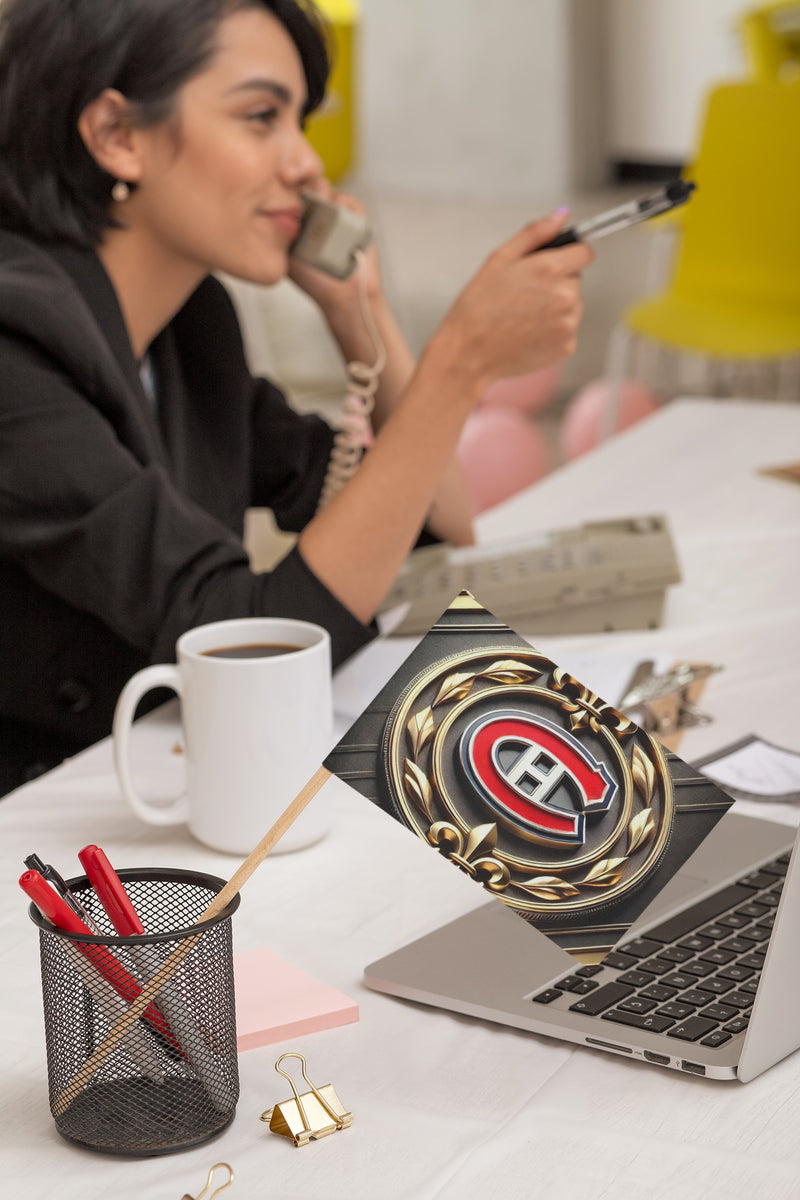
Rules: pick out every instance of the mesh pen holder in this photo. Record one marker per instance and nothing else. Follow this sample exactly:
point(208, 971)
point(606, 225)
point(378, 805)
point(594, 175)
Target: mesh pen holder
point(172, 1080)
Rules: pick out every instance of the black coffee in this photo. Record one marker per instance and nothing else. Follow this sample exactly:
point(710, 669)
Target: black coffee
point(256, 650)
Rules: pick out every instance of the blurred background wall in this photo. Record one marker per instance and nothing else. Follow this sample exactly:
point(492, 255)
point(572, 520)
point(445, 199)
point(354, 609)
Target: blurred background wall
point(525, 98)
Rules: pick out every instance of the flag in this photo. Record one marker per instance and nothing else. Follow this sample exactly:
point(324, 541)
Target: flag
point(501, 762)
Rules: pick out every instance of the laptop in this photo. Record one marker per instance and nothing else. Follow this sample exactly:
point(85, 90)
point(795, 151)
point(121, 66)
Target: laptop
point(706, 982)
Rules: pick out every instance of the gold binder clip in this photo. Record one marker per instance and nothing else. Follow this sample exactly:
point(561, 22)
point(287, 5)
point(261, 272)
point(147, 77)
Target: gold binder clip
point(227, 1184)
point(315, 1114)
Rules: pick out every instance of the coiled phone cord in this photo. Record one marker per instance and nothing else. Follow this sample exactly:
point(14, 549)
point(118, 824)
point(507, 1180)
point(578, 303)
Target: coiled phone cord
point(355, 435)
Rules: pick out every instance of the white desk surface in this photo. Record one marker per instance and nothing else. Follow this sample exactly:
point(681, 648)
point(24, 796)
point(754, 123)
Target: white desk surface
point(447, 1107)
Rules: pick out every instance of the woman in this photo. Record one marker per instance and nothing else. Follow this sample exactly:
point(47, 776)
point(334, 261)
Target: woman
point(143, 146)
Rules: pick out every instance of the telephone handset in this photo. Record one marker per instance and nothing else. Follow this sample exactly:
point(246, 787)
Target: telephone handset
point(330, 237)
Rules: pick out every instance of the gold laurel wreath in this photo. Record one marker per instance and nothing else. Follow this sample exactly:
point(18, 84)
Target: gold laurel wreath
point(474, 853)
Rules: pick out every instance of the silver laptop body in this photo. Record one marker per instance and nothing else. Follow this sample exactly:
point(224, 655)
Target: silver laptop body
point(490, 964)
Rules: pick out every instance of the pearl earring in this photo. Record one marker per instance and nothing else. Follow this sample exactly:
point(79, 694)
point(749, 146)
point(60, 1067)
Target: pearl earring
point(120, 191)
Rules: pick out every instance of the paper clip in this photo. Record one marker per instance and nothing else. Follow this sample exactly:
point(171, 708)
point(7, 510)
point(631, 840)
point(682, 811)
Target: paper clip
point(227, 1184)
point(315, 1114)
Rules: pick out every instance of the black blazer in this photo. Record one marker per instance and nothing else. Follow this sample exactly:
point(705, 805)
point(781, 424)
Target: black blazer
point(121, 521)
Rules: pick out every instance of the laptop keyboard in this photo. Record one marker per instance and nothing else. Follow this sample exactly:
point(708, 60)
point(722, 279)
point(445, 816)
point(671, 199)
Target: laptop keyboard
point(695, 976)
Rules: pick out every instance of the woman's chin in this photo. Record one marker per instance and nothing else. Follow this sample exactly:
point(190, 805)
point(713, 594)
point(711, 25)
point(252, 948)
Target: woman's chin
point(264, 270)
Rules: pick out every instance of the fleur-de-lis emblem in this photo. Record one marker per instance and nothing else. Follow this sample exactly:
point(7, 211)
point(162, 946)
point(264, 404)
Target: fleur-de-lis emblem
point(472, 854)
point(586, 708)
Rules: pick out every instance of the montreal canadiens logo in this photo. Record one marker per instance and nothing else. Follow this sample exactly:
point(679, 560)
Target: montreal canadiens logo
point(536, 775)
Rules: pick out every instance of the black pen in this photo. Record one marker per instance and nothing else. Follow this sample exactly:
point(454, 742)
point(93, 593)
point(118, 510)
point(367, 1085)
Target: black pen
point(674, 193)
point(48, 872)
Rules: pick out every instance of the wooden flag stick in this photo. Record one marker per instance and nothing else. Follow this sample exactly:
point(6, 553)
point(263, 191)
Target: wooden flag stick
point(171, 964)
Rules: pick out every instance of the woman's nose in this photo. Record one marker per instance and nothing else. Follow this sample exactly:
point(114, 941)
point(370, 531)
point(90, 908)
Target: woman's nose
point(302, 166)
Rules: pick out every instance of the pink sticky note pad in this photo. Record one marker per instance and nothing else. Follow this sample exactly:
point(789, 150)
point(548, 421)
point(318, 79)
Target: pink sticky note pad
point(276, 1001)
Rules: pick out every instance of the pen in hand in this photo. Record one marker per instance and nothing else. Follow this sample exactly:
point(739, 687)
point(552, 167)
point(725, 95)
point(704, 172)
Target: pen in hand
point(673, 194)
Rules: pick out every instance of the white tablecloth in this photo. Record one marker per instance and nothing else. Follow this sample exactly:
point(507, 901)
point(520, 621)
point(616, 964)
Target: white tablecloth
point(445, 1106)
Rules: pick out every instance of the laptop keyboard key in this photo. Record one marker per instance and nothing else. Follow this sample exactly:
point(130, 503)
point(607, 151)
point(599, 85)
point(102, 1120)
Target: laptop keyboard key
point(752, 936)
point(735, 920)
point(569, 982)
point(581, 986)
point(715, 932)
point(693, 996)
point(696, 943)
point(718, 1012)
point(677, 1011)
point(718, 955)
point(656, 966)
point(736, 972)
point(603, 998)
point(717, 1038)
point(737, 1025)
point(699, 969)
point(676, 954)
point(758, 879)
point(651, 1021)
point(619, 961)
point(657, 991)
point(636, 978)
point(716, 985)
point(739, 999)
point(678, 980)
point(546, 997)
point(638, 1004)
point(692, 1029)
point(755, 960)
point(739, 944)
point(589, 969)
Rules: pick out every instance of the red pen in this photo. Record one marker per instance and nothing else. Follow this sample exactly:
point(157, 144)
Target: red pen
point(113, 897)
point(61, 915)
point(123, 916)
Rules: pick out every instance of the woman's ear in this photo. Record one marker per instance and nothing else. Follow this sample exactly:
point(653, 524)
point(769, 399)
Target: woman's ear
point(109, 135)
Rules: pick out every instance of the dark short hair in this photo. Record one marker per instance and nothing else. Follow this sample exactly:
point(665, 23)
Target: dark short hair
point(56, 56)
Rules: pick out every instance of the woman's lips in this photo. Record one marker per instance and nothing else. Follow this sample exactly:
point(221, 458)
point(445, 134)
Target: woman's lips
point(287, 220)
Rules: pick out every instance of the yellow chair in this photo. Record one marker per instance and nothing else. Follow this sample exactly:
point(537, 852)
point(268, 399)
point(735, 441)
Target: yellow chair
point(728, 322)
point(331, 129)
point(771, 37)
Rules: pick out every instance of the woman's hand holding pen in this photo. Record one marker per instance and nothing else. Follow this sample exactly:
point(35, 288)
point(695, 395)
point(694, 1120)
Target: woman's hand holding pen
point(521, 310)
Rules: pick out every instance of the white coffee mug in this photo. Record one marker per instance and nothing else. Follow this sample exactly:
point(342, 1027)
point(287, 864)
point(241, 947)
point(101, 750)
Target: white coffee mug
point(257, 724)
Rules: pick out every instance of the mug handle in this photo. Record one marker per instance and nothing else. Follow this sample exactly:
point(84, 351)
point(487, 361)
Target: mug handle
point(161, 675)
